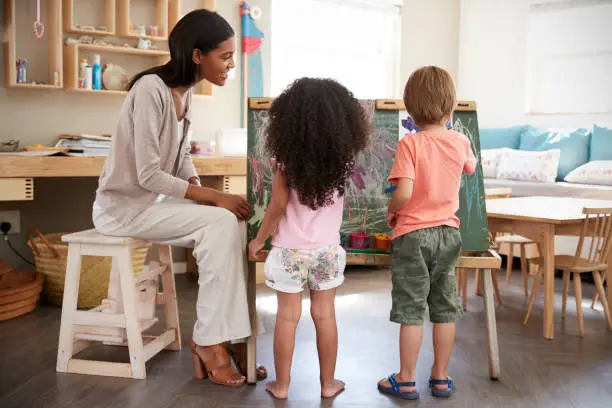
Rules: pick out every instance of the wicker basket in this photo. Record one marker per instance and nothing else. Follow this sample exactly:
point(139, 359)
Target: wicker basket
point(50, 254)
point(19, 291)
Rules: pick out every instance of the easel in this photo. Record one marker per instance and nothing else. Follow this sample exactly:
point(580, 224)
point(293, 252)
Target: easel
point(487, 261)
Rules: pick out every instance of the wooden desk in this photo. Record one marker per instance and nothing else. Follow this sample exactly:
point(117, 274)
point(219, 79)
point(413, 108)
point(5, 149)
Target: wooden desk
point(88, 166)
point(214, 171)
point(541, 218)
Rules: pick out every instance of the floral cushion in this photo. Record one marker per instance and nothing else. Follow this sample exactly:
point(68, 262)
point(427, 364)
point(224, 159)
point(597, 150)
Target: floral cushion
point(594, 172)
point(529, 165)
point(489, 158)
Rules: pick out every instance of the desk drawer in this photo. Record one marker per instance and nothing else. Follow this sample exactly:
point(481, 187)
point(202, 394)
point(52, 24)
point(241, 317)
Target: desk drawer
point(16, 189)
point(235, 185)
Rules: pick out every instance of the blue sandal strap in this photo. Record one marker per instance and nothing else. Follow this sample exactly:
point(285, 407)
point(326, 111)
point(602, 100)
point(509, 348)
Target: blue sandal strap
point(396, 384)
point(447, 381)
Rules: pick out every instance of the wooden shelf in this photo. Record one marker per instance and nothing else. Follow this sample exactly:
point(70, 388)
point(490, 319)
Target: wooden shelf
point(36, 86)
point(121, 50)
point(70, 25)
point(127, 29)
point(51, 16)
point(97, 91)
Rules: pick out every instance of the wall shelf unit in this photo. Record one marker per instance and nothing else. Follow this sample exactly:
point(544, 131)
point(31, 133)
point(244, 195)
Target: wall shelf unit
point(20, 42)
point(53, 65)
point(129, 29)
point(72, 26)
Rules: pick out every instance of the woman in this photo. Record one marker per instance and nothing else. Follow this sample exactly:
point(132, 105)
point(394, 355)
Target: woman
point(149, 189)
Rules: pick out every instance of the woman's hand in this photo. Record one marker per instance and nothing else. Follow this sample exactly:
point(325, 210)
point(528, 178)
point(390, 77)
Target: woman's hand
point(234, 203)
point(195, 181)
point(255, 246)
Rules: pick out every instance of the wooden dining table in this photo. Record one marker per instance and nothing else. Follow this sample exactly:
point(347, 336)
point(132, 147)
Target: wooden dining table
point(541, 219)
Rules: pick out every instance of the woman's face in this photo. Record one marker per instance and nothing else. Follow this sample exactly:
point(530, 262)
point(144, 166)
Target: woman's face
point(215, 65)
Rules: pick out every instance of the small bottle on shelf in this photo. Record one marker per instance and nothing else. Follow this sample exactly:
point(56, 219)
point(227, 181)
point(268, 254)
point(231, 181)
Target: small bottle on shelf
point(97, 73)
point(88, 77)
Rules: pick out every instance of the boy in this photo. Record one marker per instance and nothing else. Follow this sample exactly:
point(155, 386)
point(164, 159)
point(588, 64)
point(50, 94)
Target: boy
point(426, 239)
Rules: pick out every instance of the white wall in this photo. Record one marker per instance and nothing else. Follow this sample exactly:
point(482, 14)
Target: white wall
point(492, 65)
point(430, 36)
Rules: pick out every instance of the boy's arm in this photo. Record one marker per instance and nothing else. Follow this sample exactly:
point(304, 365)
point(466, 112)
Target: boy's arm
point(469, 165)
point(401, 196)
point(274, 213)
point(402, 176)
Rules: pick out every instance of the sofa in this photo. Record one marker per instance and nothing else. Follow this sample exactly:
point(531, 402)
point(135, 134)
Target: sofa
point(546, 162)
point(559, 163)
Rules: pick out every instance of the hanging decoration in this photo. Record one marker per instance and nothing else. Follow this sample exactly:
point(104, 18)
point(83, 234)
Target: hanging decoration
point(252, 70)
point(39, 27)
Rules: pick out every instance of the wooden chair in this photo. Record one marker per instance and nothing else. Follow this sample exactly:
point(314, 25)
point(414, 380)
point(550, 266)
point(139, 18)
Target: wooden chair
point(597, 227)
point(129, 310)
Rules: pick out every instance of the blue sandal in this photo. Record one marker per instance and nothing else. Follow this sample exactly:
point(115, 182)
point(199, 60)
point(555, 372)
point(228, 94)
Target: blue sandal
point(444, 392)
point(394, 390)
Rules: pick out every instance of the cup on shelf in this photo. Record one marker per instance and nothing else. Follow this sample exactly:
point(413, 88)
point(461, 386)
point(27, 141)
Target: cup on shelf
point(144, 44)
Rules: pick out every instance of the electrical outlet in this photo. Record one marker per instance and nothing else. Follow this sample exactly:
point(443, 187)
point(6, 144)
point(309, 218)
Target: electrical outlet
point(14, 218)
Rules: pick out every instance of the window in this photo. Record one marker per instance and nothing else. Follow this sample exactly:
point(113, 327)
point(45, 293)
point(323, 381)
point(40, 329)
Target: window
point(356, 42)
point(569, 58)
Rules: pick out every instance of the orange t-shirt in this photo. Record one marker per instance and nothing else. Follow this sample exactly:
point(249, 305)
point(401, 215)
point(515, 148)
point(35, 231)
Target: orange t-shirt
point(435, 162)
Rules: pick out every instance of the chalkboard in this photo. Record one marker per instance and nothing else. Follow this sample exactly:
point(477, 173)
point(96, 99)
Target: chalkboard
point(368, 191)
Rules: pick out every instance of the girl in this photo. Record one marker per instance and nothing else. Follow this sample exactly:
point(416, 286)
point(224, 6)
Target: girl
point(316, 130)
point(149, 189)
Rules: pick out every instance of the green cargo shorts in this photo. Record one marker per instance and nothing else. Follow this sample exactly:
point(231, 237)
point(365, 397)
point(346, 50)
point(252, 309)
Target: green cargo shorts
point(423, 273)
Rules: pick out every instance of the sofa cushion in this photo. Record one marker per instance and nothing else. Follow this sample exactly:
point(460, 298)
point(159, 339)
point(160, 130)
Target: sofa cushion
point(495, 138)
point(529, 166)
point(594, 172)
point(601, 143)
point(489, 158)
point(574, 146)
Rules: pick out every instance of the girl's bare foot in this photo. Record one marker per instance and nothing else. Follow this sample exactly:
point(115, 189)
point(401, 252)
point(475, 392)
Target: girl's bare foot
point(333, 389)
point(277, 391)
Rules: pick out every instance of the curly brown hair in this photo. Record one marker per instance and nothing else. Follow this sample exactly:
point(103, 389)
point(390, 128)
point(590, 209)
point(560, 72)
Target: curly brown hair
point(316, 130)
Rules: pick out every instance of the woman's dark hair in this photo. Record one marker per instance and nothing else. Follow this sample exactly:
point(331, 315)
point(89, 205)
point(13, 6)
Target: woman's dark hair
point(199, 29)
point(316, 130)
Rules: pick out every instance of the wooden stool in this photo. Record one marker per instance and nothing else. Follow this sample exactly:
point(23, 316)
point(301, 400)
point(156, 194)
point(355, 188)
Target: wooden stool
point(128, 311)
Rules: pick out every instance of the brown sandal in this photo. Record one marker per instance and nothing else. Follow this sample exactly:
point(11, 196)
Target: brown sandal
point(238, 352)
point(216, 366)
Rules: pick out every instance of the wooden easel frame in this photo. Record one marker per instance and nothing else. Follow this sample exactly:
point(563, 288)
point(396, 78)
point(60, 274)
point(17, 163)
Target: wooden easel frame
point(486, 261)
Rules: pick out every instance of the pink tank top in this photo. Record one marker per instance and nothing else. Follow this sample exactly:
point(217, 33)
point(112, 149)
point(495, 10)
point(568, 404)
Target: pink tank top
point(303, 228)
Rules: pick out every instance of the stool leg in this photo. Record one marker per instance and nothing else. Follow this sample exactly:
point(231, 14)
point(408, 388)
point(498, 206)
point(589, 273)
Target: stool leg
point(132, 326)
point(169, 290)
point(69, 306)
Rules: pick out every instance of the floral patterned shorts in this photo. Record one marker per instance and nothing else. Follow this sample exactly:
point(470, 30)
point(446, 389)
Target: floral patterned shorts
point(287, 270)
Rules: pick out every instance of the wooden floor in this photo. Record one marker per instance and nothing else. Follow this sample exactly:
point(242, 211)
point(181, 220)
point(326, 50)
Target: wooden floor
point(565, 372)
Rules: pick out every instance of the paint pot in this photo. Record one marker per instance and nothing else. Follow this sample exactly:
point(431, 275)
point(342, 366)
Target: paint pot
point(382, 241)
point(359, 240)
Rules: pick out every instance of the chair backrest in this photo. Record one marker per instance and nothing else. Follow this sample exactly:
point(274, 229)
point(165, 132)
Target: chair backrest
point(598, 228)
point(493, 193)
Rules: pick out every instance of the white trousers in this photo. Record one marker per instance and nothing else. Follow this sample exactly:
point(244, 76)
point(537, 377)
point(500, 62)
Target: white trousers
point(219, 242)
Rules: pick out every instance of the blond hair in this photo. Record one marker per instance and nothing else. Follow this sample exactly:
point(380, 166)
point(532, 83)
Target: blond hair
point(429, 96)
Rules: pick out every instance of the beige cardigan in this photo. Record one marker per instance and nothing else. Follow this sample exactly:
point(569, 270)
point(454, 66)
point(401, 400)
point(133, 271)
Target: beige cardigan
point(146, 158)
